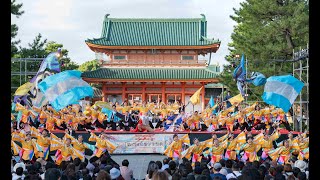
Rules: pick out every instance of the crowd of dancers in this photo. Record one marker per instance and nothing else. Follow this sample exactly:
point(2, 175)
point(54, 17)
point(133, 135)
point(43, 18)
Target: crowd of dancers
point(149, 117)
point(36, 143)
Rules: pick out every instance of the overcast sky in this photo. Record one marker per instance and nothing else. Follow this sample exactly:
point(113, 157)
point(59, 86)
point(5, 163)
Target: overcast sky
point(71, 22)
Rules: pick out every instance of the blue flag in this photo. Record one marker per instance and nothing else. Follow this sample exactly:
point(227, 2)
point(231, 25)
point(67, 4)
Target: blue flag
point(281, 91)
point(65, 88)
point(239, 73)
point(211, 102)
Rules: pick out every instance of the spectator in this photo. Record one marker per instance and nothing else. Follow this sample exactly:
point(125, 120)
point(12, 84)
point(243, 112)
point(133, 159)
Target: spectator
point(249, 174)
point(115, 174)
point(160, 175)
point(165, 164)
point(296, 171)
point(197, 171)
point(288, 171)
point(176, 176)
point(103, 175)
point(52, 174)
point(151, 169)
point(229, 164)
point(215, 171)
point(235, 171)
point(18, 174)
point(77, 162)
point(302, 176)
point(172, 167)
point(159, 163)
point(126, 173)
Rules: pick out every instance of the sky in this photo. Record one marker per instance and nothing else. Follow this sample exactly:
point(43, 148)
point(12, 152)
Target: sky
point(71, 22)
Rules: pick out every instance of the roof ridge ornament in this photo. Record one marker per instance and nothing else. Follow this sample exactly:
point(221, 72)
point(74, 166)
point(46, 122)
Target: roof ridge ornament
point(203, 17)
point(106, 16)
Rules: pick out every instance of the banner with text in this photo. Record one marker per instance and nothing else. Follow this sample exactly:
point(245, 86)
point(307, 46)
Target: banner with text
point(141, 143)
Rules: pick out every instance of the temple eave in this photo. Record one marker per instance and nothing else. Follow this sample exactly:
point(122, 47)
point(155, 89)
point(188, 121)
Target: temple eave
point(100, 80)
point(96, 47)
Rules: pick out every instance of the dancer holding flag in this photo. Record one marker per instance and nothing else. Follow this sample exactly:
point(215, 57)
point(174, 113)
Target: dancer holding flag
point(175, 148)
point(196, 150)
point(103, 146)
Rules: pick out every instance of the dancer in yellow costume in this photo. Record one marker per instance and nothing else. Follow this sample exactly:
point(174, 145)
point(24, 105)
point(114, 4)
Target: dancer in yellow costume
point(250, 150)
point(267, 143)
point(281, 154)
point(28, 146)
point(196, 150)
point(216, 151)
point(194, 121)
point(175, 148)
point(102, 144)
point(233, 144)
point(44, 142)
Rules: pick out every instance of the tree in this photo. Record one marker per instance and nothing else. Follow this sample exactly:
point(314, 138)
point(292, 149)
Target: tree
point(15, 10)
point(89, 66)
point(65, 61)
point(34, 49)
point(268, 30)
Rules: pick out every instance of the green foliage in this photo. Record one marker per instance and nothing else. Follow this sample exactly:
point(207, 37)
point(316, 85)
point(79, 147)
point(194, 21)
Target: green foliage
point(89, 66)
point(39, 48)
point(15, 10)
point(267, 30)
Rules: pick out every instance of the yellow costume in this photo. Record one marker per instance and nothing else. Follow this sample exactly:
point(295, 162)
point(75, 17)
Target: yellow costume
point(282, 154)
point(175, 148)
point(196, 150)
point(194, 120)
point(102, 145)
point(44, 143)
point(28, 146)
point(216, 152)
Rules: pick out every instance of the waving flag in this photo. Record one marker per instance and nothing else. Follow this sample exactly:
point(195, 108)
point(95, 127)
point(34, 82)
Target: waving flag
point(239, 74)
point(236, 99)
point(195, 98)
point(211, 102)
point(258, 79)
point(28, 93)
point(65, 88)
point(281, 91)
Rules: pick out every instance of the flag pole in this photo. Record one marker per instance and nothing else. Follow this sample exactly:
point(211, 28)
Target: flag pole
point(246, 78)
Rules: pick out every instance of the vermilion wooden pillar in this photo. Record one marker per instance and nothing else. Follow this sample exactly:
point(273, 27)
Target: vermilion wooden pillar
point(183, 92)
point(202, 97)
point(143, 92)
point(163, 98)
point(123, 91)
point(104, 92)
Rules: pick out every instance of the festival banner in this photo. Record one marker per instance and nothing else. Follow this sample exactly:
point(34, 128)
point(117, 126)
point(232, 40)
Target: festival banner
point(141, 143)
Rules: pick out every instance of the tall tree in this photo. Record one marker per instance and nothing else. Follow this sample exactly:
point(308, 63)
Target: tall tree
point(89, 66)
point(15, 10)
point(268, 30)
point(65, 61)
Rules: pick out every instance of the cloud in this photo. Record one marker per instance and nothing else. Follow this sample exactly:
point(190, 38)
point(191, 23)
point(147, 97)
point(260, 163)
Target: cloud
point(71, 22)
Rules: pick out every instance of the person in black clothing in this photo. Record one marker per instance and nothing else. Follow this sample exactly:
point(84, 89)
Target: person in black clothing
point(110, 123)
point(126, 122)
point(182, 107)
point(228, 96)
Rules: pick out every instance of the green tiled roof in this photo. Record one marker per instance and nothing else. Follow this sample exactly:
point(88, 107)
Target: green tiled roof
point(154, 32)
point(150, 73)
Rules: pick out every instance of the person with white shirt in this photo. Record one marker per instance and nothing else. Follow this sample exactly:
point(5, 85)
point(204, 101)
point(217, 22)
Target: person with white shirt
point(235, 171)
point(145, 123)
point(126, 173)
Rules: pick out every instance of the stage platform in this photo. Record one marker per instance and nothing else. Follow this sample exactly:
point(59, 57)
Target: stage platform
point(153, 142)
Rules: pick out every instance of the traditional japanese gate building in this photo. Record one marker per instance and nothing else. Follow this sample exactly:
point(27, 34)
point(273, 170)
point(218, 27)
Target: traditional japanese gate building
point(151, 59)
